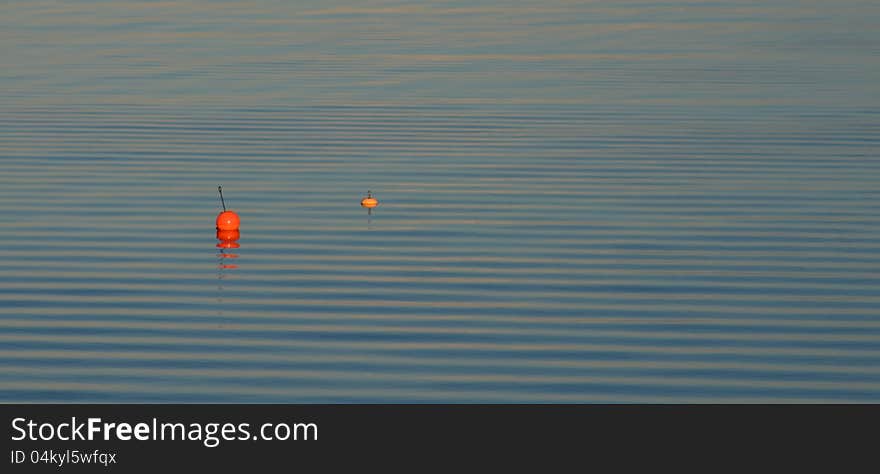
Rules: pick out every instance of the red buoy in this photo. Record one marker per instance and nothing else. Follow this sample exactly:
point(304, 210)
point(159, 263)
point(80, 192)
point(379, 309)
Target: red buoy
point(226, 220)
point(369, 202)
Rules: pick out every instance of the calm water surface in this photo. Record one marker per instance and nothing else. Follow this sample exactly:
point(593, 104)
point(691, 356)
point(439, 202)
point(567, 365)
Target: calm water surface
point(580, 201)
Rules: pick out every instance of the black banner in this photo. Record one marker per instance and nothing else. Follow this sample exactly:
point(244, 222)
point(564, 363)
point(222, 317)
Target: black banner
point(236, 438)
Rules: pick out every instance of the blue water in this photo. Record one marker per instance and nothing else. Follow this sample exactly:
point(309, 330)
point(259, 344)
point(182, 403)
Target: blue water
point(579, 201)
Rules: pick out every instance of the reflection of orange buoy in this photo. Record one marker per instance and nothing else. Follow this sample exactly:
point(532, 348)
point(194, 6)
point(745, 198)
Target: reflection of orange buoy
point(232, 235)
point(369, 202)
point(228, 238)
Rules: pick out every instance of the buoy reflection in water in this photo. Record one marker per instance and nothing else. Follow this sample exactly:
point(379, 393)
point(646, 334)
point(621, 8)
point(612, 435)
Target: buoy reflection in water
point(227, 239)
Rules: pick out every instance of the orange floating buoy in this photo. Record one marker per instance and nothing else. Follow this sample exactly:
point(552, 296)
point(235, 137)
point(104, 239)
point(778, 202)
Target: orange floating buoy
point(369, 202)
point(226, 220)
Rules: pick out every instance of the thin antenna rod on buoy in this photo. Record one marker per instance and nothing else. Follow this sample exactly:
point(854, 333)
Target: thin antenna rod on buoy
point(220, 190)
